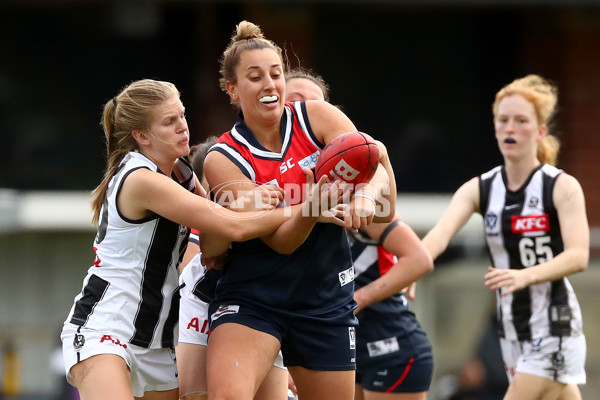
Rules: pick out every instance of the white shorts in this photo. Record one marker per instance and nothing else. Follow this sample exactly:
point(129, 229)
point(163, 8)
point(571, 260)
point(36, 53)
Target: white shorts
point(193, 312)
point(151, 369)
point(554, 358)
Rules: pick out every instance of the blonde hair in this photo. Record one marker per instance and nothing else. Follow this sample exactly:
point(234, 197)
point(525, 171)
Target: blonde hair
point(543, 95)
point(247, 36)
point(128, 111)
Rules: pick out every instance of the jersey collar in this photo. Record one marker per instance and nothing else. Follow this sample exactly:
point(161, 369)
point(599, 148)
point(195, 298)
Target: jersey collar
point(243, 135)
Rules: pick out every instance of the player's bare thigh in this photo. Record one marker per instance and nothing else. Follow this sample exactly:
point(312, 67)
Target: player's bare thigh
point(245, 353)
point(274, 386)
point(370, 395)
point(172, 394)
point(103, 376)
point(358, 392)
point(191, 362)
point(318, 385)
point(571, 392)
point(527, 386)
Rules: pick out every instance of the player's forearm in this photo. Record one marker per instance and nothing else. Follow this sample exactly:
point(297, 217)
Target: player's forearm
point(387, 192)
point(564, 264)
point(213, 245)
point(383, 190)
point(293, 232)
point(435, 243)
point(406, 271)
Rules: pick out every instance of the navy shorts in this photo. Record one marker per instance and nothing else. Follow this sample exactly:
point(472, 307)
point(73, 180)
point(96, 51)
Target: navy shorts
point(407, 369)
point(412, 377)
point(325, 343)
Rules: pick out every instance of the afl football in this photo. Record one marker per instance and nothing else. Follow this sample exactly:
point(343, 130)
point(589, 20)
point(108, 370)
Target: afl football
point(352, 157)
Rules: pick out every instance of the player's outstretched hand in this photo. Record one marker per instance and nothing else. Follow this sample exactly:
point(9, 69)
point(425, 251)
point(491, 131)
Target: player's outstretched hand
point(510, 280)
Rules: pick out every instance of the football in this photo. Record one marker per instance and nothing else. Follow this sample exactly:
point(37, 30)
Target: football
point(352, 157)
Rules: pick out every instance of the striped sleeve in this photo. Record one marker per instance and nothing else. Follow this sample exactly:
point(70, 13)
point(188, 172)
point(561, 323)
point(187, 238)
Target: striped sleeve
point(194, 236)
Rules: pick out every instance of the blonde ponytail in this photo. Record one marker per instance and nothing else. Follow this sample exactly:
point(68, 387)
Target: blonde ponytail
point(130, 110)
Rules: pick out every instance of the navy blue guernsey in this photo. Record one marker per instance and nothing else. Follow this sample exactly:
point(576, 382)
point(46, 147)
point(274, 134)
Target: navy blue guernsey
point(317, 278)
point(307, 281)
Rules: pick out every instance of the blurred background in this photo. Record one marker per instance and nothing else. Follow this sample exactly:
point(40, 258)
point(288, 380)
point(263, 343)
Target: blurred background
point(420, 75)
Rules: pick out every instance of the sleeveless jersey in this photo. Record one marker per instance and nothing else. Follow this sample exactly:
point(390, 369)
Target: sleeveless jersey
point(522, 230)
point(315, 279)
point(132, 288)
point(381, 324)
point(202, 281)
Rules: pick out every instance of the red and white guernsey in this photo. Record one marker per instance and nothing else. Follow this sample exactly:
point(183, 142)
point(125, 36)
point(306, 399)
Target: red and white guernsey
point(318, 277)
point(132, 287)
point(300, 149)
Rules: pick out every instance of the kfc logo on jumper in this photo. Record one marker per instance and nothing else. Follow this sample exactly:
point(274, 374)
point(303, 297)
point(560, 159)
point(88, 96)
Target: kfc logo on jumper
point(530, 223)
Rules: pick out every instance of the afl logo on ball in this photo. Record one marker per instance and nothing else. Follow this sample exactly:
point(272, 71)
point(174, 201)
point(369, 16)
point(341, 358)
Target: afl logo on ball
point(79, 341)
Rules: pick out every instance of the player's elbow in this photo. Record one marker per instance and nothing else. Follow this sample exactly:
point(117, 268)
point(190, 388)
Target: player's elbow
point(577, 259)
point(420, 261)
point(424, 261)
point(582, 260)
point(283, 247)
point(287, 250)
